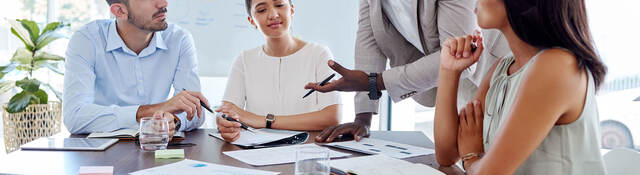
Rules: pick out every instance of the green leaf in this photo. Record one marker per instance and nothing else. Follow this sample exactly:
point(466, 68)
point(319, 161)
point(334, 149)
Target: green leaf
point(45, 56)
point(33, 29)
point(28, 85)
point(22, 56)
point(6, 86)
point(52, 27)
point(25, 68)
point(20, 101)
point(50, 34)
point(54, 68)
point(21, 32)
point(46, 39)
point(55, 92)
point(4, 70)
point(42, 96)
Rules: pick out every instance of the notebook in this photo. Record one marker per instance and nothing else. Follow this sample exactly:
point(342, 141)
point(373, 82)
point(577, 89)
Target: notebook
point(263, 138)
point(128, 134)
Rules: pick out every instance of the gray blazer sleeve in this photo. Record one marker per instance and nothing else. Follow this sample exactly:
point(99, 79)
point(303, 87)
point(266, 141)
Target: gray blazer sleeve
point(454, 18)
point(368, 57)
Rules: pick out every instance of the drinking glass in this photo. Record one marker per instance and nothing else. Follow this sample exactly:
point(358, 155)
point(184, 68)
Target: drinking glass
point(154, 133)
point(312, 160)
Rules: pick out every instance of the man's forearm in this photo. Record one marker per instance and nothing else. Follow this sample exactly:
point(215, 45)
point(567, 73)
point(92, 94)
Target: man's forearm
point(146, 111)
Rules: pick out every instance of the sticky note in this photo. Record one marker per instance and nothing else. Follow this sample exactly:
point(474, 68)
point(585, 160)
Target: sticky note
point(170, 154)
point(96, 170)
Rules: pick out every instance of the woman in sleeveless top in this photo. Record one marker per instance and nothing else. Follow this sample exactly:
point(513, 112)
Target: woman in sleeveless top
point(535, 111)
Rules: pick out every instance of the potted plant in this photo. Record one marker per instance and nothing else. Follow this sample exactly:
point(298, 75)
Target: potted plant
point(29, 113)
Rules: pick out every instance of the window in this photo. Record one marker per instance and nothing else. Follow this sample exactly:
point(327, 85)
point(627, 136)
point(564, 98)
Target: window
point(614, 26)
point(408, 115)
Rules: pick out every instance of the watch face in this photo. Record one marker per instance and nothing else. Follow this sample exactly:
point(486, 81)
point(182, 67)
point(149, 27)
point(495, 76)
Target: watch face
point(271, 117)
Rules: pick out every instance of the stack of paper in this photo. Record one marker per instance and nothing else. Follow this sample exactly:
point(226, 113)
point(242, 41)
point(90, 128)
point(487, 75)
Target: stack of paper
point(381, 165)
point(274, 156)
point(376, 146)
point(193, 167)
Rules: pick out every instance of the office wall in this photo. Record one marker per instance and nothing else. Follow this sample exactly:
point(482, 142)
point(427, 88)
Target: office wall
point(221, 30)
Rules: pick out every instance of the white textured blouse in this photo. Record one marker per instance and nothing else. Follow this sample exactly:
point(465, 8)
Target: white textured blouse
point(263, 84)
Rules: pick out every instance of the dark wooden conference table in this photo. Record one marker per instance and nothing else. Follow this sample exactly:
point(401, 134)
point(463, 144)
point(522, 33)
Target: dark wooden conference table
point(127, 157)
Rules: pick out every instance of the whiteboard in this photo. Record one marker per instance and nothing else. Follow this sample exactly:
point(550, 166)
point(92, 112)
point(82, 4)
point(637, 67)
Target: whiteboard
point(221, 30)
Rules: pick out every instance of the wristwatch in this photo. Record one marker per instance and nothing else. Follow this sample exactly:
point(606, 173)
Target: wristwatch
point(374, 93)
point(270, 119)
point(177, 121)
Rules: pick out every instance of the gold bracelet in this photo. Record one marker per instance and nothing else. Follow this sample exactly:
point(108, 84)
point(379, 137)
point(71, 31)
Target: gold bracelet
point(470, 156)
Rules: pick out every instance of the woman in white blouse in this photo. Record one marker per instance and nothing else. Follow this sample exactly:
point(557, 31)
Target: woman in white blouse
point(265, 86)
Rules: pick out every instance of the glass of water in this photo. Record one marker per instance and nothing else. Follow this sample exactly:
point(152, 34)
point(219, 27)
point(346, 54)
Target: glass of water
point(154, 133)
point(312, 160)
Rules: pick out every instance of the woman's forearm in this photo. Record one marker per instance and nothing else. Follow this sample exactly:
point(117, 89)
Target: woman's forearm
point(446, 118)
point(313, 121)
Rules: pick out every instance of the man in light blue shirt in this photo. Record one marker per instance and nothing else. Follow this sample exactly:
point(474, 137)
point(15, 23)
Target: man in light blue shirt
point(118, 71)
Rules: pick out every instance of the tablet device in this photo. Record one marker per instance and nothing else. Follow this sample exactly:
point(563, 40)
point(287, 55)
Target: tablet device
point(69, 144)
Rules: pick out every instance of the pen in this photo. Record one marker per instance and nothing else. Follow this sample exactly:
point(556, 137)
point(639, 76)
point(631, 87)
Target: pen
point(321, 84)
point(182, 144)
point(242, 125)
point(474, 46)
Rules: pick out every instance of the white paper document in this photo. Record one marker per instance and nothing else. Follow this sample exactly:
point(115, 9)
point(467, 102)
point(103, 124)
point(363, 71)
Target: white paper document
point(274, 156)
point(376, 146)
point(193, 167)
point(382, 165)
point(260, 136)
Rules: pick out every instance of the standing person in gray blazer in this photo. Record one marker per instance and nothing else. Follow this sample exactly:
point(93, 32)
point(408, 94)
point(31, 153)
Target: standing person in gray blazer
point(408, 34)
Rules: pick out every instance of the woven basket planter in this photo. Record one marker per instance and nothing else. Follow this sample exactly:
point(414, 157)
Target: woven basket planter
point(36, 121)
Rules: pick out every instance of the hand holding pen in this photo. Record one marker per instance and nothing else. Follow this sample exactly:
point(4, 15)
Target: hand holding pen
point(206, 106)
point(325, 81)
point(230, 129)
point(184, 101)
point(230, 112)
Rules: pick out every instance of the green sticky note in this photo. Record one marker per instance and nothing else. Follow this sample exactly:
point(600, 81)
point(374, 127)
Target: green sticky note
point(170, 154)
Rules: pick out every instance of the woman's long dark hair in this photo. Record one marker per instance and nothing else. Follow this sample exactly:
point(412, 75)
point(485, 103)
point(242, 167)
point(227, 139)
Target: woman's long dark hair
point(557, 23)
point(247, 5)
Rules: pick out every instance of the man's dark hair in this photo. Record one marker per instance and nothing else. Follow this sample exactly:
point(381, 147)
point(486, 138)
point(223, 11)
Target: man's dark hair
point(247, 4)
point(111, 2)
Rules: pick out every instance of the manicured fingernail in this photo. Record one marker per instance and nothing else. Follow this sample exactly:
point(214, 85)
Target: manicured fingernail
point(458, 55)
point(466, 54)
point(331, 62)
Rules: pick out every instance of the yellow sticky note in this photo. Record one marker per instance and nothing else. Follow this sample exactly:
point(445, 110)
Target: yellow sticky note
point(170, 154)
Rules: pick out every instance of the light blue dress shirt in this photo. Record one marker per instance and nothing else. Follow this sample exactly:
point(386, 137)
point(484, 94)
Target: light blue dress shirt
point(105, 82)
